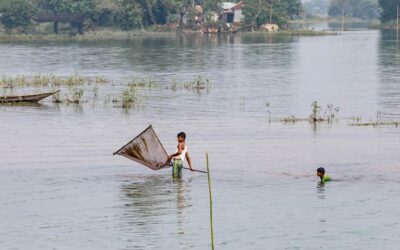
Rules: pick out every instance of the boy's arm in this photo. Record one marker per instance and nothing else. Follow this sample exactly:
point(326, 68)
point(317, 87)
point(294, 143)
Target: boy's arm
point(189, 161)
point(180, 149)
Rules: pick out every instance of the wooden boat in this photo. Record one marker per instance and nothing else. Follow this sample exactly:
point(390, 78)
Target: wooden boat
point(26, 98)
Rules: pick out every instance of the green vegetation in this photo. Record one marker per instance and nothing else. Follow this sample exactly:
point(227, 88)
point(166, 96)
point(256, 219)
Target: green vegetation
point(143, 82)
point(49, 81)
point(375, 123)
point(363, 9)
point(328, 114)
point(317, 114)
point(198, 84)
point(104, 35)
point(389, 10)
point(77, 16)
point(129, 97)
point(271, 11)
point(16, 14)
point(292, 119)
point(76, 96)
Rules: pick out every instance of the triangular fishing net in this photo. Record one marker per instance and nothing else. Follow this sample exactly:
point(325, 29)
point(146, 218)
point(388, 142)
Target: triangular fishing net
point(146, 149)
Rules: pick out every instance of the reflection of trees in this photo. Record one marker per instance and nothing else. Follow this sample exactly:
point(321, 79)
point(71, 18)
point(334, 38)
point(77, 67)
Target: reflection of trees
point(263, 68)
point(389, 68)
point(153, 205)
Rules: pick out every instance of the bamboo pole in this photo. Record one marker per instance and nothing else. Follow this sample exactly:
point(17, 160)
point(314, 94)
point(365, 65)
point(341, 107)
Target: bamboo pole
point(343, 17)
point(211, 212)
point(195, 170)
point(397, 27)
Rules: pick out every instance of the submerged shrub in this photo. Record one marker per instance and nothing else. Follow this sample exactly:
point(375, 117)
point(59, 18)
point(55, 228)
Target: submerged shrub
point(129, 97)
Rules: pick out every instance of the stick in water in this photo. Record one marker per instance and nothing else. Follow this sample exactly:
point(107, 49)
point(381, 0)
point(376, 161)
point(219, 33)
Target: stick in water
point(211, 215)
point(195, 170)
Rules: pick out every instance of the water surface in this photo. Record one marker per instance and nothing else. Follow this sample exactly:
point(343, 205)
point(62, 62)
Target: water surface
point(61, 188)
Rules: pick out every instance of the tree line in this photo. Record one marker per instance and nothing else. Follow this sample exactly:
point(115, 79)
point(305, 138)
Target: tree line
point(141, 14)
point(138, 14)
point(385, 10)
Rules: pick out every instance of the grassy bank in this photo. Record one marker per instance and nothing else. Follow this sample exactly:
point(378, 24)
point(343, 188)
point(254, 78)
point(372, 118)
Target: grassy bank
point(104, 35)
point(296, 33)
point(110, 35)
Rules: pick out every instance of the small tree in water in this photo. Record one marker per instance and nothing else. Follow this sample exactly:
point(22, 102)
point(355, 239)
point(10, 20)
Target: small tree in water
point(316, 108)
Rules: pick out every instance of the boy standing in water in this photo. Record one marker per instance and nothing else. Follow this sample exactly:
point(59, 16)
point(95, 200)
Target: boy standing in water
point(321, 174)
point(179, 157)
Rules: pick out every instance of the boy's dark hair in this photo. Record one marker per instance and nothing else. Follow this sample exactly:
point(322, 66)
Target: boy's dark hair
point(182, 134)
point(321, 170)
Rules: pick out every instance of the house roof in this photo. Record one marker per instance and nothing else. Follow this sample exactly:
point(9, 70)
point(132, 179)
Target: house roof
point(227, 5)
point(231, 6)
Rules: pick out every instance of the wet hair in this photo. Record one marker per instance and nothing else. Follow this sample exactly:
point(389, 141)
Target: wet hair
point(321, 170)
point(182, 134)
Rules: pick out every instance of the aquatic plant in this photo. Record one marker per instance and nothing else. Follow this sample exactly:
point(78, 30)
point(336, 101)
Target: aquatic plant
point(50, 80)
point(57, 98)
point(174, 85)
point(315, 115)
point(101, 80)
point(144, 82)
point(199, 84)
point(95, 91)
point(292, 119)
point(129, 97)
point(375, 123)
point(268, 111)
point(76, 96)
point(329, 113)
point(242, 102)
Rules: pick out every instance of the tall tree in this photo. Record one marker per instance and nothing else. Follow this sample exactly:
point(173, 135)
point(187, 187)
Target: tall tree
point(71, 7)
point(18, 13)
point(181, 7)
point(364, 9)
point(274, 11)
point(131, 15)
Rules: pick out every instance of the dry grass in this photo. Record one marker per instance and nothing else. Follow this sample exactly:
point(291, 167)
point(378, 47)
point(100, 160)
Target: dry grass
point(49, 81)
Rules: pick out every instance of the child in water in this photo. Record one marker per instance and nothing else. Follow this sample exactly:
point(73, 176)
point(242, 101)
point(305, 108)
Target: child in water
point(179, 157)
point(321, 174)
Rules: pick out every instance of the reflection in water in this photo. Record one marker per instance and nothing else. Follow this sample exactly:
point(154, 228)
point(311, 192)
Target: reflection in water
point(389, 65)
point(321, 190)
point(252, 205)
point(149, 203)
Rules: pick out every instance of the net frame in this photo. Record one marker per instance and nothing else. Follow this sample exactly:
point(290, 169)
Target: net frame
point(138, 149)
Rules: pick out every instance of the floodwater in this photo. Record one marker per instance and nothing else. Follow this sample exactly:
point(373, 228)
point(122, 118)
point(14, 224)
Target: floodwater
point(61, 188)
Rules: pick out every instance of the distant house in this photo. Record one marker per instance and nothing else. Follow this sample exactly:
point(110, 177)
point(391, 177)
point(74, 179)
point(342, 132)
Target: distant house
point(231, 13)
point(75, 21)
